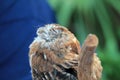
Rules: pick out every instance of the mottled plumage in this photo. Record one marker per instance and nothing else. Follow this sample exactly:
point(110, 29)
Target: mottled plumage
point(55, 54)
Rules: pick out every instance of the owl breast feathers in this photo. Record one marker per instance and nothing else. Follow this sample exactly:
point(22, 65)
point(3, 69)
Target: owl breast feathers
point(55, 54)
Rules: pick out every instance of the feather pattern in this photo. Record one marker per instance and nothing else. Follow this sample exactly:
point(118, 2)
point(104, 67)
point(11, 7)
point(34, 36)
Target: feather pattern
point(53, 53)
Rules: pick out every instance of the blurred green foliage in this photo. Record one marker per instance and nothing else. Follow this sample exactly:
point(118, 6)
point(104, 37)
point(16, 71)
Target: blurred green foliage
point(100, 17)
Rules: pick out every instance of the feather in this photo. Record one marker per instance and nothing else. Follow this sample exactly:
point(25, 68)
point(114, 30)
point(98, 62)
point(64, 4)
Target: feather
point(55, 54)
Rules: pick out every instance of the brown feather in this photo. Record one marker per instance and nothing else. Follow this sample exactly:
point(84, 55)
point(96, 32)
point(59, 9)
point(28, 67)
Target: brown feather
point(55, 54)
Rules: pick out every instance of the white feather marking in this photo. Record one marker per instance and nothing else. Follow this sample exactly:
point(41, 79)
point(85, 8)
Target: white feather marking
point(68, 74)
point(43, 78)
point(51, 75)
point(38, 39)
point(45, 57)
point(46, 76)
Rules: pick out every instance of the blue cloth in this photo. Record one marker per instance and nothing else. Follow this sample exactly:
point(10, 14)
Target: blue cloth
point(19, 20)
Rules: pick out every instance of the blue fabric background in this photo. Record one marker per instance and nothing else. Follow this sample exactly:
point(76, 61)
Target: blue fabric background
point(19, 20)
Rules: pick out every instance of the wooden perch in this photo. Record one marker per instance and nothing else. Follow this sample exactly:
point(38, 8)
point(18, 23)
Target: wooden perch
point(89, 66)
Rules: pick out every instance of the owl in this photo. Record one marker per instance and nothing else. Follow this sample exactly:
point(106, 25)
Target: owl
point(55, 54)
